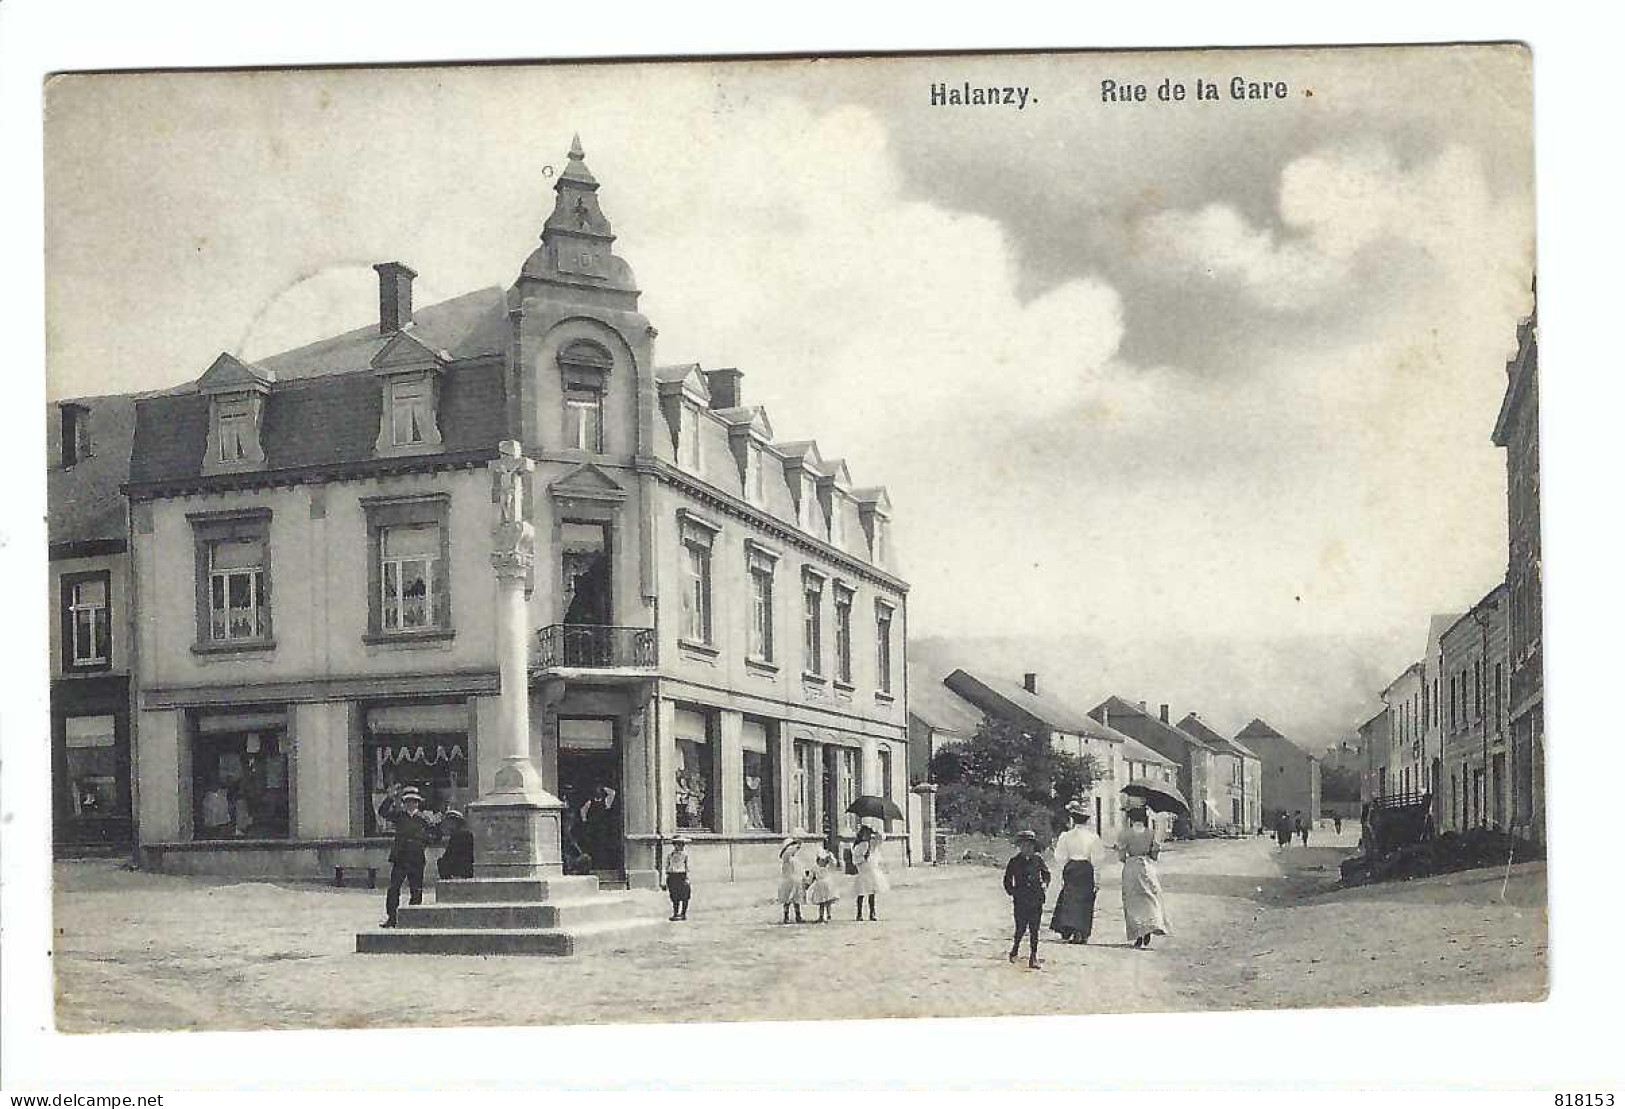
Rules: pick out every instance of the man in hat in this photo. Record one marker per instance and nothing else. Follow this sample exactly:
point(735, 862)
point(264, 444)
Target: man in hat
point(1026, 879)
point(403, 806)
point(1079, 855)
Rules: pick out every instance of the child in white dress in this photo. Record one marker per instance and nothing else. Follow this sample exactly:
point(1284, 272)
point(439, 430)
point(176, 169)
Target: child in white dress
point(791, 869)
point(822, 891)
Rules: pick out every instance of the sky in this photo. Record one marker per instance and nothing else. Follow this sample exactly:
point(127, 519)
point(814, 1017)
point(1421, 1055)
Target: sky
point(1162, 380)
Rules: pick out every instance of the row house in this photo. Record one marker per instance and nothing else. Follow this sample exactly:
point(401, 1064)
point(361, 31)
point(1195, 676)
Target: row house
point(719, 624)
point(1192, 757)
point(1375, 750)
point(1289, 775)
point(1234, 799)
point(91, 645)
point(1070, 730)
point(1476, 781)
point(1403, 696)
point(1517, 431)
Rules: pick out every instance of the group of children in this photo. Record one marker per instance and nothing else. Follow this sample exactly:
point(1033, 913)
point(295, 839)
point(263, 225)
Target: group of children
point(800, 881)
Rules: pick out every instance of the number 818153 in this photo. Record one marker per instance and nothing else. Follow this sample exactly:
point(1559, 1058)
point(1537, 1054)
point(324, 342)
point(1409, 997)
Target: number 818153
point(1583, 1101)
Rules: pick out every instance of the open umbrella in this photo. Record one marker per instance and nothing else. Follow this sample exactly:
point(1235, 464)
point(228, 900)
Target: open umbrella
point(877, 808)
point(1158, 797)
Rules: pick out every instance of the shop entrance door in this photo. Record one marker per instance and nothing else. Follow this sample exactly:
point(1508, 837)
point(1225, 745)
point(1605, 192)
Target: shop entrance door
point(590, 786)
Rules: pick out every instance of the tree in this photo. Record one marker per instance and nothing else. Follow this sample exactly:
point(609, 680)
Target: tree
point(1007, 772)
point(1340, 783)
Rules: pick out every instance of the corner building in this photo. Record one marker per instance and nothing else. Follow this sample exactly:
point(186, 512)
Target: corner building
point(719, 631)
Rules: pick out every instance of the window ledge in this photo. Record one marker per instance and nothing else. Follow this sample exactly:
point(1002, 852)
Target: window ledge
point(887, 698)
point(844, 687)
point(72, 668)
point(812, 678)
point(761, 665)
point(233, 646)
point(409, 639)
point(698, 648)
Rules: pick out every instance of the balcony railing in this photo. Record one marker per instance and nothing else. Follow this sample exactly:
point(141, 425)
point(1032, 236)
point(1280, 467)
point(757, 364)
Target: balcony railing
point(589, 646)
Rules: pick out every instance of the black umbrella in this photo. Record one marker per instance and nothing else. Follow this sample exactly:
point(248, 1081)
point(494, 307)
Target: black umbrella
point(1158, 797)
point(877, 808)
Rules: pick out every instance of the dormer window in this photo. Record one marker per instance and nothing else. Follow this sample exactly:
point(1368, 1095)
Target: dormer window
point(75, 443)
point(689, 439)
point(237, 393)
point(756, 483)
point(837, 523)
point(410, 413)
point(409, 372)
point(235, 431)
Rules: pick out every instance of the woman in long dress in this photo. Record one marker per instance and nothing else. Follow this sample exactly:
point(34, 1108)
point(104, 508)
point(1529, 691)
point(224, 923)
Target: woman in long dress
point(871, 874)
point(1143, 913)
point(1079, 855)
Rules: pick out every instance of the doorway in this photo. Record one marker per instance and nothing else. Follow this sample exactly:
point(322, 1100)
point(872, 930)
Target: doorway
point(590, 786)
point(585, 573)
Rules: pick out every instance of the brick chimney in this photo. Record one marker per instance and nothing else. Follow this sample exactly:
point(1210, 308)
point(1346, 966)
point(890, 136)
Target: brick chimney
point(725, 388)
point(1029, 682)
point(1163, 711)
point(1142, 706)
point(394, 296)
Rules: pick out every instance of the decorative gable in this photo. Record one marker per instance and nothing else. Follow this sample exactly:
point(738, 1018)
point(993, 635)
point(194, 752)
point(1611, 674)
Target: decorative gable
point(410, 372)
point(834, 488)
point(683, 394)
point(874, 513)
point(237, 391)
point(803, 466)
point(749, 432)
point(588, 483)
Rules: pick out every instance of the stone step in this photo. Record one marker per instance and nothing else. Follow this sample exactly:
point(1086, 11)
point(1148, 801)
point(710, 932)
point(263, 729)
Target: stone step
point(561, 913)
point(504, 941)
point(513, 890)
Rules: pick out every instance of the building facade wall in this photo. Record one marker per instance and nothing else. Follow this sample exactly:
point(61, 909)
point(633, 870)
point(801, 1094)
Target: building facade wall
point(1478, 774)
point(1527, 712)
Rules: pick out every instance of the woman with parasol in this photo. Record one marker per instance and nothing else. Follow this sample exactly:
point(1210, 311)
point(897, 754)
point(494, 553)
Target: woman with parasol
point(1143, 913)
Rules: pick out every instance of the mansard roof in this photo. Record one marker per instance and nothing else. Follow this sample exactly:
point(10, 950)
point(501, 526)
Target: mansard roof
point(473, 325)
point(83, 502)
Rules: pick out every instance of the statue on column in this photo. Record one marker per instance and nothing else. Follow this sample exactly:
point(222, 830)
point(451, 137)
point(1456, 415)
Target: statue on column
point(513, 538)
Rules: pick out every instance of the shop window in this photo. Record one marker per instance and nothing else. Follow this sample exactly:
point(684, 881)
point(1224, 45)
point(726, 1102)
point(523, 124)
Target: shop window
point(240, 783)
point(760, 776)
point(92, 767)
point(87, 623)
point(694, 771)
point(436, 763)
point(803, 789)
point(408, 565)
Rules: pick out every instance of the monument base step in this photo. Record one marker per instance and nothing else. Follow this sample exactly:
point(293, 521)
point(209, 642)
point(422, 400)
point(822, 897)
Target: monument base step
point(559, 913)
point(595, 936)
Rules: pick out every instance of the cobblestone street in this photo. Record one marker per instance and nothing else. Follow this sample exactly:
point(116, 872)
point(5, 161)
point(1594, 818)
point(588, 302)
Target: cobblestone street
point(142, 951)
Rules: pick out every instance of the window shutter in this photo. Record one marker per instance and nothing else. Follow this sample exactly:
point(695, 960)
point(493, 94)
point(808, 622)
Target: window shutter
point(442, 593)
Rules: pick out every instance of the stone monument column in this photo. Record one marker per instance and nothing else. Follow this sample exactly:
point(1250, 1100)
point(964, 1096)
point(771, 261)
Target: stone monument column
point(516, 822)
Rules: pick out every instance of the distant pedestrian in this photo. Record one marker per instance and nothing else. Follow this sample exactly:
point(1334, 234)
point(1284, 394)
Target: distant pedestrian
point(676, 881)
point(1302, 826)
point(1026, 880)
point(402, 806)
point(791, 869)
point(457, 860)
point(1143, 914)
point(1283, 829)
point(1337, 823)
point(871, 871)
point(1079, 855)
point(822, 889)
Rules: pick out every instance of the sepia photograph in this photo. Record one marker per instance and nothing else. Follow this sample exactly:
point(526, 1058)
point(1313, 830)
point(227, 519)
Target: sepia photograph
point(794, 539)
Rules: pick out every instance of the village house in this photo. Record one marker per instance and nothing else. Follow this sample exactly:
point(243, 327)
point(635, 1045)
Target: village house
point(719, 623)
point(1070, 730)
point(1290, 775)
point(1473, 661)
point(1234, 786)
point(1517, 430)
point(1374, 752)
point(1192, 757)
point(1403, 696)
point(91, 641)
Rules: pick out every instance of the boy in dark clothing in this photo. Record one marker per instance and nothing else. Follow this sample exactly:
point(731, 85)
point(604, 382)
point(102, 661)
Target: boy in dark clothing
point(457, 860)
point(413, 830)
point(1026, 879)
